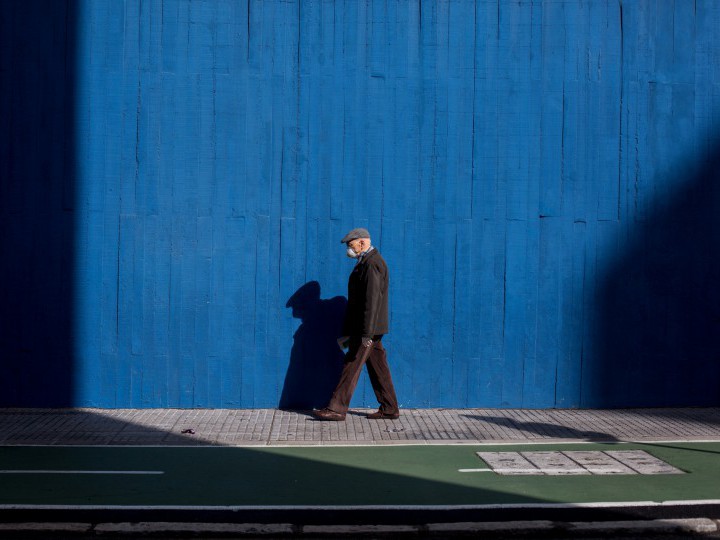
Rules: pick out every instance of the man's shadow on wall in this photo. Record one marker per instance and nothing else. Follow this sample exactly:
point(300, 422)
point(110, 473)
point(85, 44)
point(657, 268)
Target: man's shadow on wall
point(315, 359)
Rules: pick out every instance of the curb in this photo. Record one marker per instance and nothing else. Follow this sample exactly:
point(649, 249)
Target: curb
point(515, 529)
point(379, 515)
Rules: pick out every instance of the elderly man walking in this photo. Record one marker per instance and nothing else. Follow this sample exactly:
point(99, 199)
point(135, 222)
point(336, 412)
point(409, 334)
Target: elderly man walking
point(366, 321)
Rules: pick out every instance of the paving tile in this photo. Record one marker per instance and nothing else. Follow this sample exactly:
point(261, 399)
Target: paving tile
point(599, 463)
point(642, 462)
point(428, 426)
point(554, 463)
point(509, 463)
point(594, 462)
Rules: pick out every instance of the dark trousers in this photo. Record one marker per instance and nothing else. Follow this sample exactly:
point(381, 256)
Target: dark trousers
point(380, 378)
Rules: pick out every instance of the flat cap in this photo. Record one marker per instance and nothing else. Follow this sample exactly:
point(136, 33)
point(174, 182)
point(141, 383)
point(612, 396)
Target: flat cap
point(354, 235)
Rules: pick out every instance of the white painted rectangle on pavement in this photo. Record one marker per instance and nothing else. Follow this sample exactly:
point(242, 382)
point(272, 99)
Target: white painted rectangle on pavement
point(576, 462)
point(642, 462)
point(598, 462)
point(508, 463)
point(554, 463)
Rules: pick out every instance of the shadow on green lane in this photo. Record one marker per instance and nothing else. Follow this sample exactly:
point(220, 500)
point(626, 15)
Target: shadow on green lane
point(331, 476)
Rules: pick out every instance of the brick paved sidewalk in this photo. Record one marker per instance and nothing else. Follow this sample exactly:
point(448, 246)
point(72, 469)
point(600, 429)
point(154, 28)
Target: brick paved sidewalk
point(243, 427)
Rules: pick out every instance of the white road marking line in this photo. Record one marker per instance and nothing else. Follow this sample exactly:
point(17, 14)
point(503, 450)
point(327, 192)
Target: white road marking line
point(65, 471)
point(332, 508)
point(528, 471)
point(372, 444)
point(558, 442)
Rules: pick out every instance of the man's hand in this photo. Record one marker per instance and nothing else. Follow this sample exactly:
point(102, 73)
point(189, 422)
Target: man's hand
point(343, 342)
point(367, 341)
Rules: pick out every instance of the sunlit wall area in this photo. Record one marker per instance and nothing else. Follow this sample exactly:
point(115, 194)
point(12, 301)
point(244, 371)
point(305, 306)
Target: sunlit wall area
point(541, 177)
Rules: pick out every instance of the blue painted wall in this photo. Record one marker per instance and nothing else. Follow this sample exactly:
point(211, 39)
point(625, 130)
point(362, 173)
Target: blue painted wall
point(542, 178)
point(37, 199)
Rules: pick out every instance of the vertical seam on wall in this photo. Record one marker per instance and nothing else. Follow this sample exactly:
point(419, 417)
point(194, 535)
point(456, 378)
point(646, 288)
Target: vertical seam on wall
point(582, 331)
point(67, 202)
point(472, 144)
point(296, 162)
point(280, 221)
point(562, 147)
point(382, 190)
point(454, 306)
point(117, 285)
point(562, 130)
point(622, 105)
point(137, 139)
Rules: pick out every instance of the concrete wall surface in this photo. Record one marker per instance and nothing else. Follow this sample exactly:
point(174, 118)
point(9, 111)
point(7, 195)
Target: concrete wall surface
point(541, 177)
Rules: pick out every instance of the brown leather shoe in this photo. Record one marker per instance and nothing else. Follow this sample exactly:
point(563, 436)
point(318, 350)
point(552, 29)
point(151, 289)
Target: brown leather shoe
point(379, 415)
point(327, 414)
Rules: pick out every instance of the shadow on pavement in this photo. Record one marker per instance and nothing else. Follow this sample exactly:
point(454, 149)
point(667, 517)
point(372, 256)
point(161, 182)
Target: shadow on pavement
point(307, 485)
point(218, 475)
point(368, 485)
point(675, 424)
point(543, 429)
point(684, 418)
point(80, 427)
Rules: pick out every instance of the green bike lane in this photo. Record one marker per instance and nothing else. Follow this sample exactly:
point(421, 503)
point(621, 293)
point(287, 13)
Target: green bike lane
point(270, 483)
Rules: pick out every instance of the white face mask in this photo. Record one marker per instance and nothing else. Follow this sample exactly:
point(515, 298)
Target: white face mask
point(351, 253)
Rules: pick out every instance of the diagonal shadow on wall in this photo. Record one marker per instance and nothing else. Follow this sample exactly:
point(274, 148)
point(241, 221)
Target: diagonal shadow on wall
point(658, 335)
point(37, 149)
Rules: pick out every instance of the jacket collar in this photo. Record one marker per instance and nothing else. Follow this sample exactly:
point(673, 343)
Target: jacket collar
point(365, 256)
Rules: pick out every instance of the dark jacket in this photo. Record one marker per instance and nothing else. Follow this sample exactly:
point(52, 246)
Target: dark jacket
point(367, 309)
